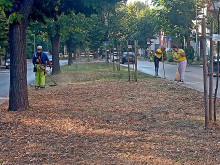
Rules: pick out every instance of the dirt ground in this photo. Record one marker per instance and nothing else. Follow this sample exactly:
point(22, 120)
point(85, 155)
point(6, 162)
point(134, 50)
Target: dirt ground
point(109, 121)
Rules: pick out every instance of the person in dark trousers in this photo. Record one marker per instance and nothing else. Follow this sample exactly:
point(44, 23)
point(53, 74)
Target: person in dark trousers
point(157, 58)
point(40, 61)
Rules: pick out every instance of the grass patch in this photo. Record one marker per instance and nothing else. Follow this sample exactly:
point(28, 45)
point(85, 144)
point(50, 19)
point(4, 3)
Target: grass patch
point(96, 71)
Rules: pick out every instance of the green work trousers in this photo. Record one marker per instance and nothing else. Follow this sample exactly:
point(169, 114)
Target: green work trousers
point(39, 77)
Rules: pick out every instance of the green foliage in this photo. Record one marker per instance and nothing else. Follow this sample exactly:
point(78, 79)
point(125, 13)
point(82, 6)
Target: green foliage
point(6, 5)
point(189, 52)
point(170, 57)
point(15, 17)
point(175, 17)
point(3, 36)
point(131, 22)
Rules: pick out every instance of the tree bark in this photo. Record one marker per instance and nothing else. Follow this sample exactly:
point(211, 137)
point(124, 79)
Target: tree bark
point(18, 92)
point(74, 51)
point(96, 55)
point(188, 41)
point(55, 41)
point(69, 48)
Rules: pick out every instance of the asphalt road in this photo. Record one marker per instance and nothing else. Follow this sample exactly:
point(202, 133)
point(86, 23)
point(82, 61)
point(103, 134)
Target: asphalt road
point(193, 75)
point(5, 79)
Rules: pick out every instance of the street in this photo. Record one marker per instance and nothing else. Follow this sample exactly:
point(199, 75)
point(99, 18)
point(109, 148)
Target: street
point(193, 75)
point(5, 79)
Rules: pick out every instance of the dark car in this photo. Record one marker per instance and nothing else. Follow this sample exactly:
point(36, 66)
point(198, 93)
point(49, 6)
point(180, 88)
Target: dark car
point(7, 64)
point(125, 57)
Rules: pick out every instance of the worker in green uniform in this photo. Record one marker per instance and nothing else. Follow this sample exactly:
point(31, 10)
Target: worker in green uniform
point(40, 61)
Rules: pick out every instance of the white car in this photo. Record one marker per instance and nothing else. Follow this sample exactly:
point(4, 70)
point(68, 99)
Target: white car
point(7, 64)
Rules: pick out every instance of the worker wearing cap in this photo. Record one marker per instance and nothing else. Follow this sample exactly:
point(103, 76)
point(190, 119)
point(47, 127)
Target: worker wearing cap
point(157, 58)
point(40, 58)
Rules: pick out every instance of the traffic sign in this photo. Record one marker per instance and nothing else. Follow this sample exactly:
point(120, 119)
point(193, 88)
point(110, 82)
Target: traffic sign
point(170, 38)
point(106, 43)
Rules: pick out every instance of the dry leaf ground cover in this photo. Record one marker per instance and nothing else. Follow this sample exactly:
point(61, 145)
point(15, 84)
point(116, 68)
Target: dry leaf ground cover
point(95, 116)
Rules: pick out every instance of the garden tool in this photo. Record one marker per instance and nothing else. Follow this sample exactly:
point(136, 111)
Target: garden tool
point(48, 74)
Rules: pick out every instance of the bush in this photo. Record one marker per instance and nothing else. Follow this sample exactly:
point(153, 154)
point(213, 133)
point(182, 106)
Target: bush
point(165, 55)
point(170, 57)
point(190, 53)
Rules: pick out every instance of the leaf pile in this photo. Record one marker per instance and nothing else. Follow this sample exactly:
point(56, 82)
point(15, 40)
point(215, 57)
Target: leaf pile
point(109, 121)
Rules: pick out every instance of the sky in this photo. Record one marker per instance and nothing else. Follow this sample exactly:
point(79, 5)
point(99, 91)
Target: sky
point(139, 0)
point(148, 1)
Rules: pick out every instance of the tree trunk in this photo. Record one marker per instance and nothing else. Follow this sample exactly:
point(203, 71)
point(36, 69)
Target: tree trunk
point(55, 41)
point(18, 93)
point(96, 55)
point(70, 57)
point(75, 53)
point(188, 41)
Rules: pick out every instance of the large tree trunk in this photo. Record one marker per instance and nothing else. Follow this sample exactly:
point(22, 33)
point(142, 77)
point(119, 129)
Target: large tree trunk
point(18, 93)
point(74, 51)
point(69, 48)
point(55, 41)
point(188, 41)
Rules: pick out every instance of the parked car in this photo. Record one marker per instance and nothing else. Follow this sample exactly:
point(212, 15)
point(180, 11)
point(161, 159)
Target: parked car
point(125, 57)
point(116, 57)
point(65, 56)
point(7, 64)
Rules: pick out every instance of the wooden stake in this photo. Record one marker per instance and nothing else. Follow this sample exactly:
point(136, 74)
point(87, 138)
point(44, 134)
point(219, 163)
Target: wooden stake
point(211, 73)
point(129, 75)
point(136, 54)
point(217, 75)
point(205, 72)
point(113, 58)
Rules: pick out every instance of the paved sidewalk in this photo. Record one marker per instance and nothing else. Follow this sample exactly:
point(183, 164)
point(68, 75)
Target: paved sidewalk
point(193, 75)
